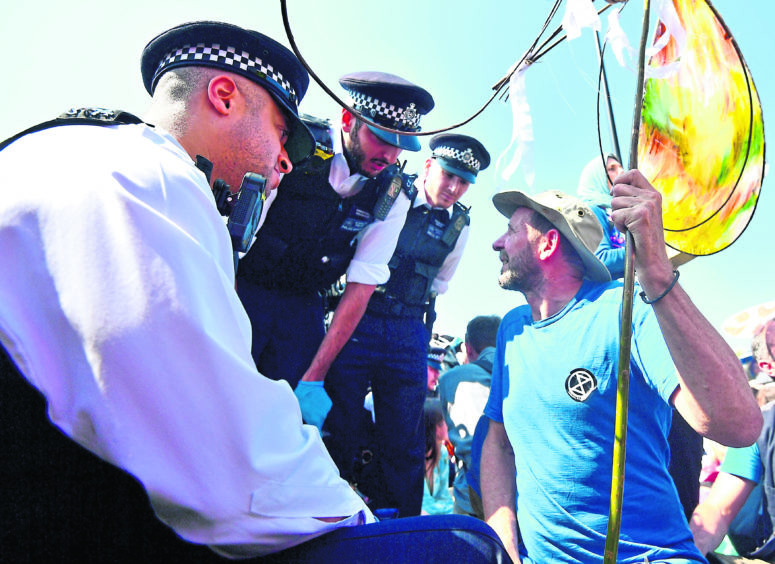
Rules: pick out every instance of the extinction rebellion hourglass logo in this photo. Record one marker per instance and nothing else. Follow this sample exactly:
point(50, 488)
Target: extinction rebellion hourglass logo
point(580, 384)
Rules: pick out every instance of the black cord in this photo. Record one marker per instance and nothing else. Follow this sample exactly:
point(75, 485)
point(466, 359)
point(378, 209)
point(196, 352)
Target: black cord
point(498, 87)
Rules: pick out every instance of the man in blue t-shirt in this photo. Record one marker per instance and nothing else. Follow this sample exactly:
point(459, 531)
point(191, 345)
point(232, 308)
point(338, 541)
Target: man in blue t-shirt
point(553, 393)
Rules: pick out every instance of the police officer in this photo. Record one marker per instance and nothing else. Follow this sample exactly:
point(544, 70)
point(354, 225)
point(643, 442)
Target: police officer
point(328, 219)
point(388, 349)
point(136, 410)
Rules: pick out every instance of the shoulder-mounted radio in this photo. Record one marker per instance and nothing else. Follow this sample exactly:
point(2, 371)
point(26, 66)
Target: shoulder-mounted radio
point(388, 185)
point(242, 208)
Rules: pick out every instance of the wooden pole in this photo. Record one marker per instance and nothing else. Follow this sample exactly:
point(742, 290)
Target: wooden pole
point(625, 329)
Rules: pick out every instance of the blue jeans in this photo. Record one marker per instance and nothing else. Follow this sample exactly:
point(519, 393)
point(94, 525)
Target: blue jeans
point(388, 353)
point(428, 539)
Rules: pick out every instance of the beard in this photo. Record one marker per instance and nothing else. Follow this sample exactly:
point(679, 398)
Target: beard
point(355, 155)
point(522, 272)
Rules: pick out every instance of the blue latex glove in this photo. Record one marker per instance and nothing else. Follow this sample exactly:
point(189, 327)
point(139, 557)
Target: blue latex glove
point(314, 402)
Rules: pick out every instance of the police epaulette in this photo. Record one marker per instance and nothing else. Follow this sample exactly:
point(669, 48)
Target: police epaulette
point(99, 115)
point(79, 116)
point(323, 152)
point(410, 188)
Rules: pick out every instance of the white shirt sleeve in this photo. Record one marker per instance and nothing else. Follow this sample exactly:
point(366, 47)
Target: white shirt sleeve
point(376, 245)
point(121, 310)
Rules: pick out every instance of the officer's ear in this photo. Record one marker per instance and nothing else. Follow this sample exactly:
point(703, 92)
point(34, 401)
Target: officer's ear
point(221, 92)
point(426, 169)
point(348, 121)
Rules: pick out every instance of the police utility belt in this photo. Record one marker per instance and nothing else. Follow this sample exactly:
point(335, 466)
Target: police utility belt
point(383, 304)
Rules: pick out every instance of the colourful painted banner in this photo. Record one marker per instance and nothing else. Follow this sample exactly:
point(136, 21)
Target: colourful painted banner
point(702, 135)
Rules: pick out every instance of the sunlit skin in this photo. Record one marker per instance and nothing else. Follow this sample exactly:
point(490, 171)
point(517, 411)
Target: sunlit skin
point(433, 378)
point(442, 188)
point(257, 141)
point(515, 249)
point(232, 121)
point(369, 154)
point(247, 133)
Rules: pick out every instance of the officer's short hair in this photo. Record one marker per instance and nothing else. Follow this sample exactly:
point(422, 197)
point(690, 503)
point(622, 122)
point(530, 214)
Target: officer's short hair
point(482, 331)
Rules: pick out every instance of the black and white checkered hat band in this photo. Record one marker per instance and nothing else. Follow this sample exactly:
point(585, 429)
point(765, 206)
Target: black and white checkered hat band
point(466, 157)
point(228, 57)
point(403, 119)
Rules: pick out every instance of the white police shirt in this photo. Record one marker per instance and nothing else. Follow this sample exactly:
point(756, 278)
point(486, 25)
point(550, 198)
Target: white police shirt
point(118, 304)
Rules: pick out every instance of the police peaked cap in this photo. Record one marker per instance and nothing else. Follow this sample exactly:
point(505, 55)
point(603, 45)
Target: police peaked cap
point(241, 51)
point(391, 101)
point(460, 155)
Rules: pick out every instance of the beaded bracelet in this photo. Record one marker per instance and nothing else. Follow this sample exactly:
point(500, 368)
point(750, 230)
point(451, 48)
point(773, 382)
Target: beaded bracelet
point(676, 274)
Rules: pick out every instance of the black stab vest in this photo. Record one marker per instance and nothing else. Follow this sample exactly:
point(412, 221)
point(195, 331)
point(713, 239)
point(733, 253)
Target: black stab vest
point(61, 503)
point(428, 236)
point(309, 236)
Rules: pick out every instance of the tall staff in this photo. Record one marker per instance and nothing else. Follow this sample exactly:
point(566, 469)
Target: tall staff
point(625, 328)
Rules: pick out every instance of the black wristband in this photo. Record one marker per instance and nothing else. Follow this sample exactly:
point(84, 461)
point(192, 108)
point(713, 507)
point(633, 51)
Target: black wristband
point(676, 274)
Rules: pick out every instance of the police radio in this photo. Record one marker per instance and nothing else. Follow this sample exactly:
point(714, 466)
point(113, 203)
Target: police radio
point(388, 184)
point(243, 208)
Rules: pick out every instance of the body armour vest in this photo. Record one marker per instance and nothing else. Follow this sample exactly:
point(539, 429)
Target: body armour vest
point(309, 235)
point(428, 236)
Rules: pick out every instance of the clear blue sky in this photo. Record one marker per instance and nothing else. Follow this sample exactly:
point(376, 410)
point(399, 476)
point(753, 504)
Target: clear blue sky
point(55, 58)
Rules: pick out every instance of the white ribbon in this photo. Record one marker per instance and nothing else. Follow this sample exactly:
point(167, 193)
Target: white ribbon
point(578, 15)
point(625, 54)
point(669, 18)
point(520, 149)
point(617, 39)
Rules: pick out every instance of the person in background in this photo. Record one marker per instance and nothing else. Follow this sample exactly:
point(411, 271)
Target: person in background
point(463, 391)
point(435, 366)
point(741, 472)
point(437, 499)
point(594, 188)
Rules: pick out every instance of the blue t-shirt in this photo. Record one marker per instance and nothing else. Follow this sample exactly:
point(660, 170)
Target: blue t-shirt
point(751, 524)
point(554, 389)
point(743, 462)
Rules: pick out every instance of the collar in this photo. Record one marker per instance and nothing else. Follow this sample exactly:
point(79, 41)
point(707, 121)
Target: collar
point(344, 182)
